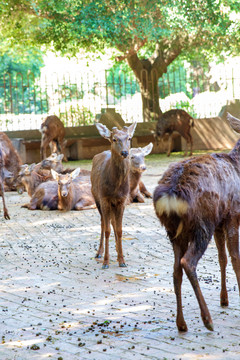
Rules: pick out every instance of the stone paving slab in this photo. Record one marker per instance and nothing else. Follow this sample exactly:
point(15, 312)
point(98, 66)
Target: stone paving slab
point(56, 301)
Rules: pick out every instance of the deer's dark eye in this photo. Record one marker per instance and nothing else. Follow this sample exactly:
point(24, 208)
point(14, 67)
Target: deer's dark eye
point(114, 140)
point(130, 139)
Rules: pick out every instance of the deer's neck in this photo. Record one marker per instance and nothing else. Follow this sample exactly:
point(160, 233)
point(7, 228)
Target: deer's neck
point(235, 152)
point(119, 169)
point(134, 179)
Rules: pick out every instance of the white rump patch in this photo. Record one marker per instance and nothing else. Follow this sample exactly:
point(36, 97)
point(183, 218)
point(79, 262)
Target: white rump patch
point(169, 204)
point(43, 129)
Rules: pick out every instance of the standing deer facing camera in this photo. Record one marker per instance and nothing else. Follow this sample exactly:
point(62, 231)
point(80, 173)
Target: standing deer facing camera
point(110, 186)
point(196, 199)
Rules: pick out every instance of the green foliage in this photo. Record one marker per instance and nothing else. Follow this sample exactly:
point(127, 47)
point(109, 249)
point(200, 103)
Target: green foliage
point(71, 25)
point(18, 70)
point(74, 114)
point(158, 32)
point(121, 80)
point(14, 61)
point(185, 105)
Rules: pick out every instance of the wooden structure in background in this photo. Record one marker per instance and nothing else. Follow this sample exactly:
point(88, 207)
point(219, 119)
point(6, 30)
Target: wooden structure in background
point(84, 142)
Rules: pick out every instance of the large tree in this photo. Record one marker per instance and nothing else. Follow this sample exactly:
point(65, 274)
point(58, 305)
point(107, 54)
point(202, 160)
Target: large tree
point(148, 34)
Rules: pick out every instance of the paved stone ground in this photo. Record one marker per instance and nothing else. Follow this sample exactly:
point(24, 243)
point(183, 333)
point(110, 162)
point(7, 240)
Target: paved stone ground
point(56, 301)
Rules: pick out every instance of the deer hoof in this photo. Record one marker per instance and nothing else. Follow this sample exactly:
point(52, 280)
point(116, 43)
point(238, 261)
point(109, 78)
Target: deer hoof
point(122, 265)
point(209, 325)
point(181, 324)
point(183, 327)
point(98, 256)
point(105, 266)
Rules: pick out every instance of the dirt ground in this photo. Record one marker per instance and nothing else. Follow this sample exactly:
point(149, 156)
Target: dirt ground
point(56, 302)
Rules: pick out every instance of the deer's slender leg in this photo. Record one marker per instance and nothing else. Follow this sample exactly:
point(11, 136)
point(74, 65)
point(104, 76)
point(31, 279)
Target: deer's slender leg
point(170, 142)
point(219, 237)
point(232, 233)
point(177, 280)
point(105, 220)
point(189, 262)
point(117, 213)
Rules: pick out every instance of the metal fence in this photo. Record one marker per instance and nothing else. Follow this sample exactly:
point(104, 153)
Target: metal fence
point(26, 101)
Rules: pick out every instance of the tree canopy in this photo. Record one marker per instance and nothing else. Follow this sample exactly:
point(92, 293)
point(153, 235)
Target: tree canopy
point(128, 26)
point(149, 35)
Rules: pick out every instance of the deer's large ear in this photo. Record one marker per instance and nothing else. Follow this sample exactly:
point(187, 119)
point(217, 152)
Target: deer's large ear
point(147, 149)
point(131, 129)
point(75, 173)
point(31, 167)
point(104, 131)
point(54, 174)
point(59, 157)
point(234, 122)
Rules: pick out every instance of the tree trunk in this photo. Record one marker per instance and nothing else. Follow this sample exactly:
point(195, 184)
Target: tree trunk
point(150, 95)
point(147, 77)
point(148, 71)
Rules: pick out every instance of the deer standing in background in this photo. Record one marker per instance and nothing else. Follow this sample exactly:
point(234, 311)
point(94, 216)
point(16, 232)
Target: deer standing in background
point(175, 120)
point(196, 199)
point(137, 167)
point(110, 186)
point(53, 133)
point(12, 161)
point(2, 177)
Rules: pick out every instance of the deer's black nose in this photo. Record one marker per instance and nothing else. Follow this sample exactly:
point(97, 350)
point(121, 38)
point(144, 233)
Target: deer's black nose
point(124, 154)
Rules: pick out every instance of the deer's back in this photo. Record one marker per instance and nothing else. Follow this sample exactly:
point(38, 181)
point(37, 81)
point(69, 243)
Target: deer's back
point(81, 188)
point(174, 120)
point(53, 127)
point(202, 191)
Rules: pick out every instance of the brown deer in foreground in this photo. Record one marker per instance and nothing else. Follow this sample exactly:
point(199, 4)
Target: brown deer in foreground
point(110, 186)
point(53, 133)
point(2, 177)
point(12, 161)
point(194, 200)
point(175, 120)
point(137, 167)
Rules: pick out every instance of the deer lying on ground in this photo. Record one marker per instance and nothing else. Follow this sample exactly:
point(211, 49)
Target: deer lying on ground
point(66, 192)
point(110, 186)
point(175, 120)
point(2, 177)
point(11, 160)
point(45, 197)
point(72, 192)
point(53, 133)
point(30, 178)
point(194, 200)
point(54, 161)
point(137, 167)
